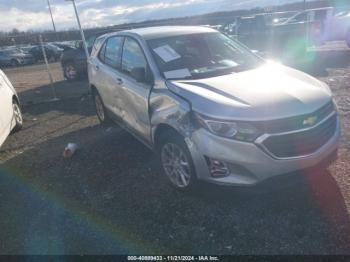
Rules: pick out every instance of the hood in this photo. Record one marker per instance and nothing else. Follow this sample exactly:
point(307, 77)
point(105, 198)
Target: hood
point(271, 91)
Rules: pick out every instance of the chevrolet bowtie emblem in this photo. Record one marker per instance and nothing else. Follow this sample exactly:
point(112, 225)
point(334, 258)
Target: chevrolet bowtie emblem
point(310, 121)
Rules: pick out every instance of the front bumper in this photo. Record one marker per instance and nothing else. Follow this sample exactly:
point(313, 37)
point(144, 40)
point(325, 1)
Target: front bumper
point(258, 164)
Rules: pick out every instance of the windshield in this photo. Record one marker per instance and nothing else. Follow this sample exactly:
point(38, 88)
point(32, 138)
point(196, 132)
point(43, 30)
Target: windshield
point(201, 55)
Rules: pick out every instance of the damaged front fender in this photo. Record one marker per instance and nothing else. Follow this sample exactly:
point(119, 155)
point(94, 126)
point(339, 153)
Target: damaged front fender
point(167, 108)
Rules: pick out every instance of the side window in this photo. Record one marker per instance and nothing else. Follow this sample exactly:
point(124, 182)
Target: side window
point(112, 51)
point(133, 56)
point(302, 17)
point(320, 15)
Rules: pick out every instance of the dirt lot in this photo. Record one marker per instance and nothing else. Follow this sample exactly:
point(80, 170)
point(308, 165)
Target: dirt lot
point(111, 198)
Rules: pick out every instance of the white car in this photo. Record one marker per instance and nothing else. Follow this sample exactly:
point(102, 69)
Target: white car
point(10, 114)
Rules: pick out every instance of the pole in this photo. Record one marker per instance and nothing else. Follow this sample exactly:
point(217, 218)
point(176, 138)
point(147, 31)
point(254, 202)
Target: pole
point(308, 24)
point(53, 21)
point(81, 30)
point(48, 70)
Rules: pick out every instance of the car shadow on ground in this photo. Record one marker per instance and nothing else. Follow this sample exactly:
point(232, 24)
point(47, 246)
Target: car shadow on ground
point(111, 198)
point(60, 89)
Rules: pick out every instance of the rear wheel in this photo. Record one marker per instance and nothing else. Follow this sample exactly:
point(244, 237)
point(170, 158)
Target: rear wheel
point(176, 162)
point(17, 114)
point(100, 109)
point(51, 59)
point(14, 63)
point(70, 72)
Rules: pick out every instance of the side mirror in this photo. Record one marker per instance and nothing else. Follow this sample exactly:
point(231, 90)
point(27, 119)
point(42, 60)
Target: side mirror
point(139, 74)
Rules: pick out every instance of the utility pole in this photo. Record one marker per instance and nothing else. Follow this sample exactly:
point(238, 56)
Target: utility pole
point(80, 28)
point(53, 22)
point(54, 94)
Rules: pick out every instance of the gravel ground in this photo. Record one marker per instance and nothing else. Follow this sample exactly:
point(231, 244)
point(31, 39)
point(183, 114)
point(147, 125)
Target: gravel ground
point(34, 86)
point(110, 198)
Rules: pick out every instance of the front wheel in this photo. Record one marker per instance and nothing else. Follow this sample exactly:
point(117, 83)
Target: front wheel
point(176, 162)
point(17, 114)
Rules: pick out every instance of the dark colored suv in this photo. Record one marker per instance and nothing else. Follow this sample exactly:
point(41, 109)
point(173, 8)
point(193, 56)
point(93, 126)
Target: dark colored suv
point(73, 61)
point(53, 53)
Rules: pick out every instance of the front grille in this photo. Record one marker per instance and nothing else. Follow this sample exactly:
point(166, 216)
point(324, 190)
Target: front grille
point(301, 143)
point(294, 123)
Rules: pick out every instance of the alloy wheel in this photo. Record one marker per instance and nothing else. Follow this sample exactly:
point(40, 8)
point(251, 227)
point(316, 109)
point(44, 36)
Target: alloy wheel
point(17, 114)
point(176, 165)
point(99, 108)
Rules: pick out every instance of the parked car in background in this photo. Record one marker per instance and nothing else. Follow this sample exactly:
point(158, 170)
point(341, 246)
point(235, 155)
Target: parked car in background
point(250, 30)
point(210, 108)
point(15, 57)
point(10, 114)
point(25, 49)
point(338, 28)
point(53, 53)
point(64, 46)
point(74, 61)
point(278, 32)
point(311, 15)
point(58, 51)
point(309, 24)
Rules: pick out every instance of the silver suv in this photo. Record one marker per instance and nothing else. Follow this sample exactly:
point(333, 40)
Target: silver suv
point(213, 110)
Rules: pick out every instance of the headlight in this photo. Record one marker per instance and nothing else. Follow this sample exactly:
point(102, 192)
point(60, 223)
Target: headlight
point(221, 128)
point(236, 130)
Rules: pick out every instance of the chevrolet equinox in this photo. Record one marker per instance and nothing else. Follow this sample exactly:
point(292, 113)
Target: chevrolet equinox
point(209, 107)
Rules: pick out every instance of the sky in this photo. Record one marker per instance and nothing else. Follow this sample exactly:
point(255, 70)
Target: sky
point(34, 14)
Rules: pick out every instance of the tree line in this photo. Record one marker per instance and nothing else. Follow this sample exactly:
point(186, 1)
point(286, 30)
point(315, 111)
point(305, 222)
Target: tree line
point(16, 37)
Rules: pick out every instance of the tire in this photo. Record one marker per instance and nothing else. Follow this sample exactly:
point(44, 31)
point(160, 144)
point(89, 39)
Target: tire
point(101, 111)
point(17, 114)
point(14, 63)
point(70, 71)
point(51, 59)
point(176, 162)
